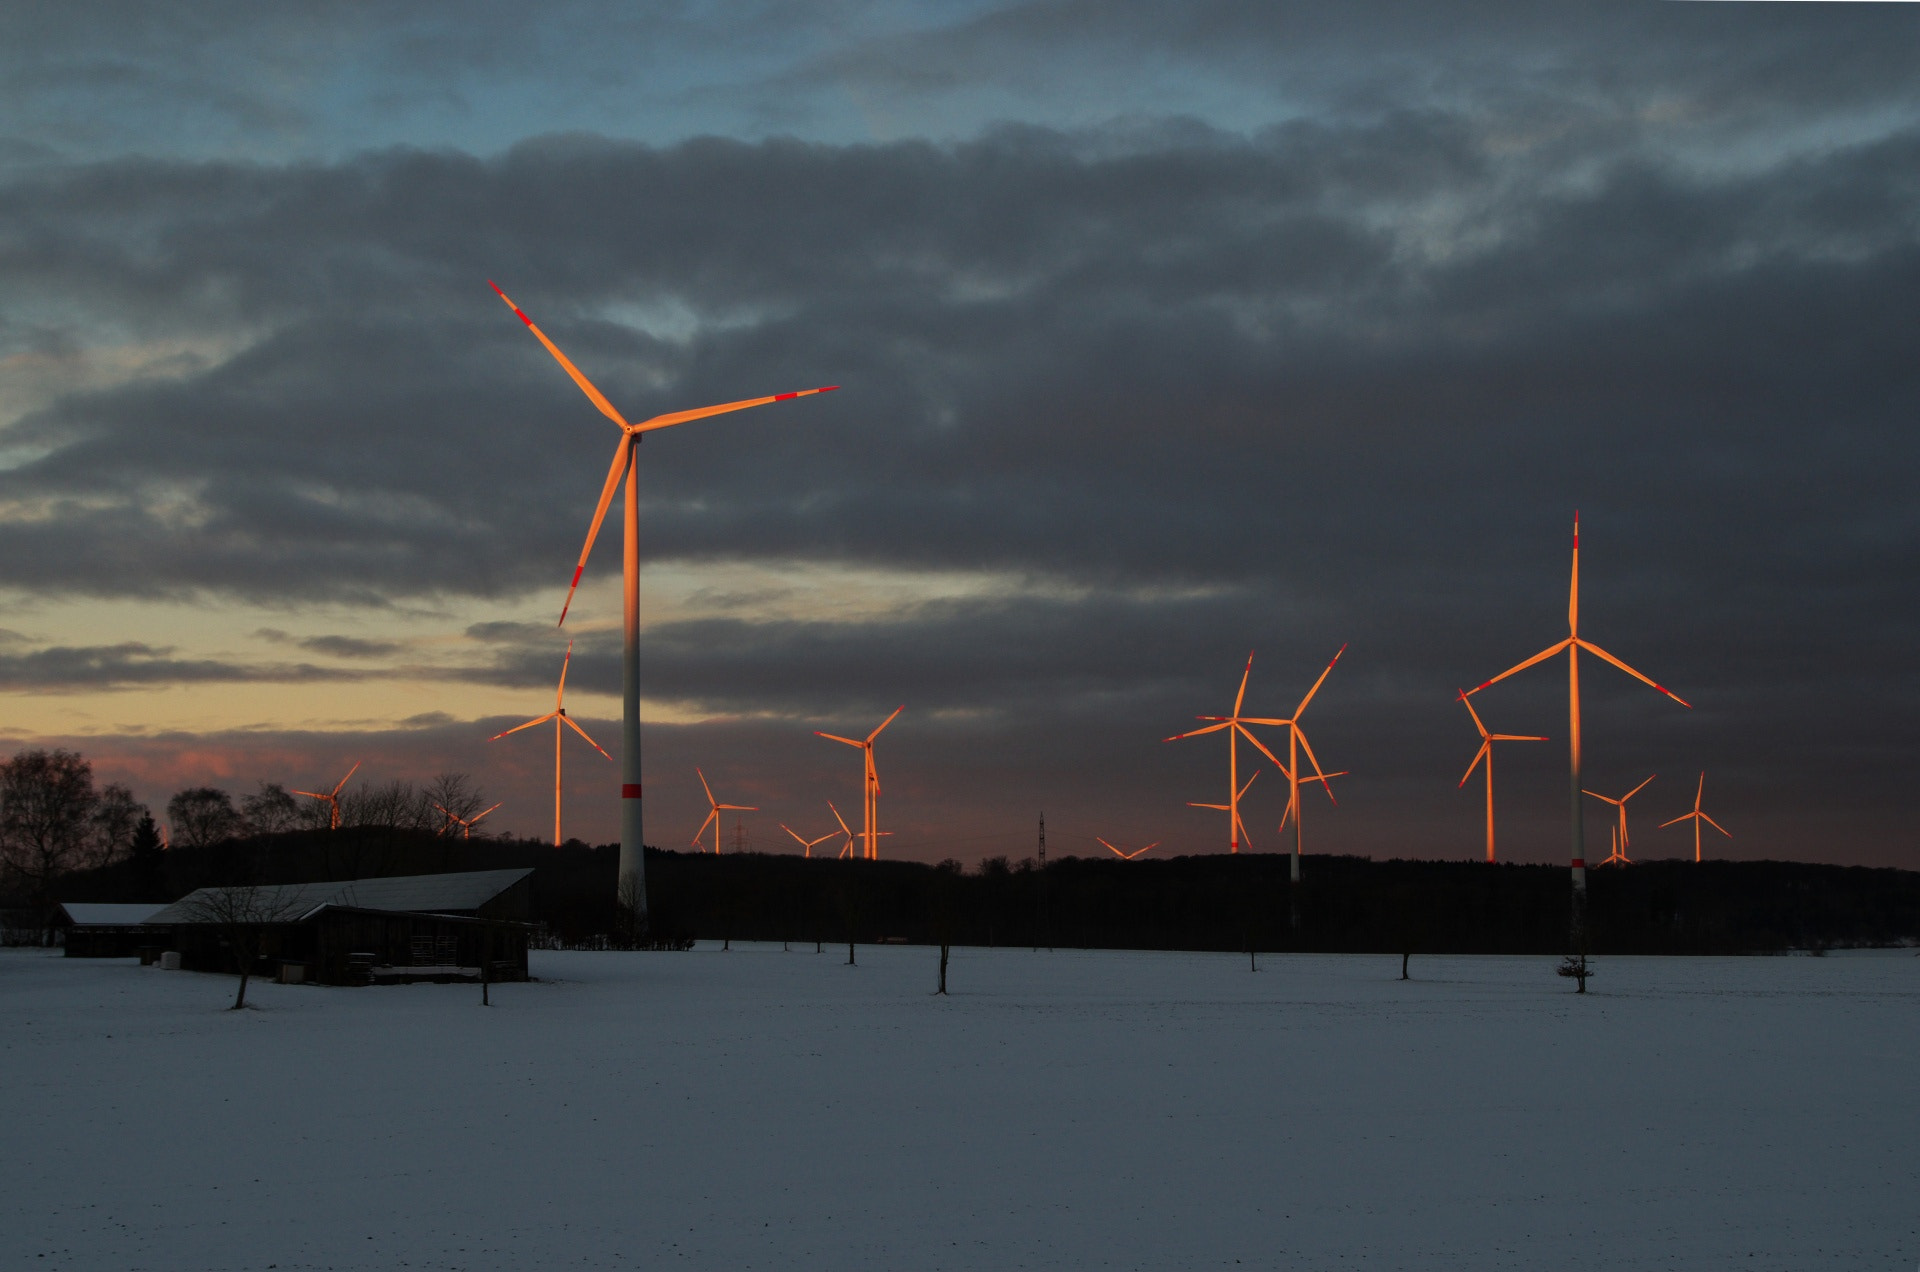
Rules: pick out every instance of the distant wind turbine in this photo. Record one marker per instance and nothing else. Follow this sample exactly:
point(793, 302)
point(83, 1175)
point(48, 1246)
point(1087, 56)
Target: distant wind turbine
point(630, 880)
point(714, 809)
point(808, 845)
point(1573, 645)
point(1696, 817)
point(870, 783)
point(559, 717)
point(1619, 854)
point(846, 849)
point(1123, 854)
point(1486, 753)
point(466, 824)
point(332, 798)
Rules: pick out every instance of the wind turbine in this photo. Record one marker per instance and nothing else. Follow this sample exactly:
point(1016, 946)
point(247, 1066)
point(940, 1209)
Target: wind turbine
point(631, 880)
point(1696, 817)
point(871, 781)
point(559, 717)
point(466, 824)
point(846, 849)
point(1619, 853)
point(332, 798)
point(809, 844)
point(1573, 645)
point(1296, 742)
point(714, 809)
point(1486, 753)
point(1235, 729)
point(1129, 856)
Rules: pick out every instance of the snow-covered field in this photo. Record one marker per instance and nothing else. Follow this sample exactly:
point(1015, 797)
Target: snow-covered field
point(761, 1109)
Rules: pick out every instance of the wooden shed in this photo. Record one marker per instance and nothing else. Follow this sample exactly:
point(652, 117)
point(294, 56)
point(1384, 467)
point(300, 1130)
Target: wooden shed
point(101, 929)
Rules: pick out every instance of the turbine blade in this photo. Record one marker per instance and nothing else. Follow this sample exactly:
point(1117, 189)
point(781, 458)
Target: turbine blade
point(703, 784)
point(482, 813)
point(1212, 728)
point(739, 808)
point(711, 815)
point(1315, 761)
point(1297, 711)
point(318, 795)
point(1542, 656)
point(843, 821)
point(1479, 755)
point(884, 723)
point(621, 452)
point(1597, 795)
point(796, 834)
point(1716, 825)
point(1262, 748)
point(348, 777)
point(1515, 737)
point(702, 412)
point(1636, 790)
point(1220, 807)
point(1601, 653)
point(1248, 786)
point(559, 695)
point(528, 725)
point(586, 385)
point(1241, 697)
point(1676, 821)
point(583, 733)
point(835, 737)
point(1473, 713)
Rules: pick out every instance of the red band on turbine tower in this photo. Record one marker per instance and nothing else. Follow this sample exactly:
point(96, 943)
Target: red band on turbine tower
point(1579, 863)
point(629, 790)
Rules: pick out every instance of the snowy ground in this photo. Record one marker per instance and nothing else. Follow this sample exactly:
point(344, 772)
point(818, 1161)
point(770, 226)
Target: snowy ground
point(761, 1109)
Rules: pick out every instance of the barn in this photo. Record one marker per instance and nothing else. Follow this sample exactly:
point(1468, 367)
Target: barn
point(440, 927)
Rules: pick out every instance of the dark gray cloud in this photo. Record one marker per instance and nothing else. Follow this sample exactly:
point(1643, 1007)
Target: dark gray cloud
point(333, 645)
point(1341, 374)
point(131, 663)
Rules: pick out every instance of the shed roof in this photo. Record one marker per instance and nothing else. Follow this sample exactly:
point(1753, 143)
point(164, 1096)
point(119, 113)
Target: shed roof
point(110, 913)
point(419, 894)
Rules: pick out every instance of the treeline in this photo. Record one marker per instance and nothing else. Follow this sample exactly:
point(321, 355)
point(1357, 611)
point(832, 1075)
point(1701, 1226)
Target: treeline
point(1345, 904)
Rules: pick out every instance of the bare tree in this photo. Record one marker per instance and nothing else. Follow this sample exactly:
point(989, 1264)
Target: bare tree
point(395, 805)
point(455, 793)
point(270, 810)
point(47, 803)
point(242, 915)
point(203, 816)
point(116, 820)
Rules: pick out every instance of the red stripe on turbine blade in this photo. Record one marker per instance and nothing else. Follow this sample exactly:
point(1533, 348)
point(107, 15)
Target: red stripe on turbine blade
point(630, 790)
point(781, 397)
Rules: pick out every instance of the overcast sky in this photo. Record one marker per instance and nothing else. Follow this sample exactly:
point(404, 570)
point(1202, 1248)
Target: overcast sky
point(1165, 332)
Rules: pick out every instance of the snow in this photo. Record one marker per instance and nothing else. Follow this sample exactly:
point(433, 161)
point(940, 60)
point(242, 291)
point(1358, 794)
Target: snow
point(761, 1109)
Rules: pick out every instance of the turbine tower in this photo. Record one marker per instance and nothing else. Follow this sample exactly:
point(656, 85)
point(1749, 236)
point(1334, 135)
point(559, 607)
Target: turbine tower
point(1573, 645)
point(1696, 817)
point(560, 718)
point(714, 809)
point(870, 782)
point(332, 798)
point(631, 880)
point(1486, 753)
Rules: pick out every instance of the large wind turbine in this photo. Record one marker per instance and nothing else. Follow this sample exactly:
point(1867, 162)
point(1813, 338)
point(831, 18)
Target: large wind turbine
point(332, 798)
point(1235, 727)
point(1296, 742)
point(1573, 645)
point(631, 880)
point(870, 831)
point(714, 809)
point(1696, 817)
point(1486, 753)
point(559, 717)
